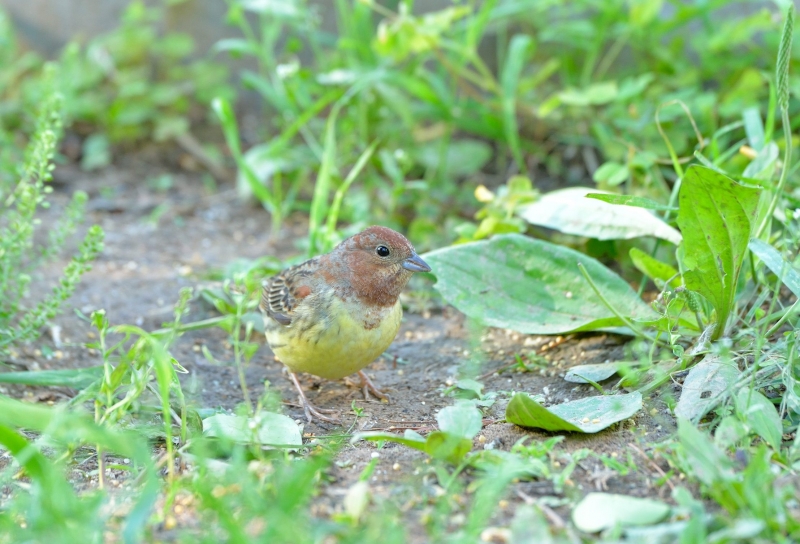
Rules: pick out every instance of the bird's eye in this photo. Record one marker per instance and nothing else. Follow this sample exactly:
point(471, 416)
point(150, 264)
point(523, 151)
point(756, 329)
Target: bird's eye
point(382, 251)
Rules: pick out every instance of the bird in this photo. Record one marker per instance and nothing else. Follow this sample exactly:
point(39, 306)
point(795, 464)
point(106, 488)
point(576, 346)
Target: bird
point(334, 314)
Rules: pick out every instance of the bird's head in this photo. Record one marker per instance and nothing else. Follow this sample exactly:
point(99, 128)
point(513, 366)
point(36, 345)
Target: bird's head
point(379, 262)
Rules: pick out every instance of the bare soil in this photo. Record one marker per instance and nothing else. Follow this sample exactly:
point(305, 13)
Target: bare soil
point(158, 241)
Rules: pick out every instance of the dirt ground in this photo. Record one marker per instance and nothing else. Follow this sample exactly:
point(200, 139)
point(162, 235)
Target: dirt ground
point(158, 241)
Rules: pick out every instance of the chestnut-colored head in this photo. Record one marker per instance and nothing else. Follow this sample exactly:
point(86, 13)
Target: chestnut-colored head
point(379, 263)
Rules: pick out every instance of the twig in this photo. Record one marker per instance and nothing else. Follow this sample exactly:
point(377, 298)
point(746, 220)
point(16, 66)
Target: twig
point(190, 144)
point(652, 463)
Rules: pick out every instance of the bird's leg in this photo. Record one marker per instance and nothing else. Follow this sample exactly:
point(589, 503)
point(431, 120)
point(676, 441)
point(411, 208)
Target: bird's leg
point(309, 408)
point(370, 387)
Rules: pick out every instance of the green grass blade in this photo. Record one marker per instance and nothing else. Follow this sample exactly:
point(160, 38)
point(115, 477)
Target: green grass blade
point(518, 51)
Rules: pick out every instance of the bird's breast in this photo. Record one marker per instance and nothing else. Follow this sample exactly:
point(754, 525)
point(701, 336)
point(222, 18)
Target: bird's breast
point(335, 338)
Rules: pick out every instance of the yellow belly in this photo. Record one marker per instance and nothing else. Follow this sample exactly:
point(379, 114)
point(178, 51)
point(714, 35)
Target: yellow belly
point(336, 347)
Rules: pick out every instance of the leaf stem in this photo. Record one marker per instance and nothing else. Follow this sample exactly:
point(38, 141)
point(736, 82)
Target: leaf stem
point(627, 322)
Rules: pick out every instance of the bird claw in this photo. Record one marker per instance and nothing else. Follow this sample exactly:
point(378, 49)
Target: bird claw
point(312, 411)
point(309, 409)
point(370, 387)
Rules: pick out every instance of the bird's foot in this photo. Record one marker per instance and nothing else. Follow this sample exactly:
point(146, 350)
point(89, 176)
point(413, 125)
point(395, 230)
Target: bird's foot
point(309, 409)
point(370, 387)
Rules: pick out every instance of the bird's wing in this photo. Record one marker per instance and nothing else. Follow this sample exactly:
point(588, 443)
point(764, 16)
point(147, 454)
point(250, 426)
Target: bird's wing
point(281, 293)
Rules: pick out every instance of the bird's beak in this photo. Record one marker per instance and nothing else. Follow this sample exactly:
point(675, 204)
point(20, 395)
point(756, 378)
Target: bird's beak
point(416, 264)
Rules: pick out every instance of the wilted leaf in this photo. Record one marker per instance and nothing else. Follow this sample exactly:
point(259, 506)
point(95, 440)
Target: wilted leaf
point(531, 286)
point(588, 415)
point(715, 218)
point(598, 511)
point(706, 382)
point(569, 211)
point(265, 428)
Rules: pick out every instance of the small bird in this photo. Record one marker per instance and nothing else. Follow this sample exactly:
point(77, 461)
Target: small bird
point(334, 314)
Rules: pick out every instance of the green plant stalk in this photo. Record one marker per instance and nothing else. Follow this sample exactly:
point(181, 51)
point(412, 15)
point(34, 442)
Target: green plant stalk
point(230, 130)
point(627, 322)
point(766, 222)
point(338, 197)
point(782, 77)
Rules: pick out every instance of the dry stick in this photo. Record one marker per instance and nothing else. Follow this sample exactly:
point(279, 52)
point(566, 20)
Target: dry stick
point(190, 144)
point(652, 463)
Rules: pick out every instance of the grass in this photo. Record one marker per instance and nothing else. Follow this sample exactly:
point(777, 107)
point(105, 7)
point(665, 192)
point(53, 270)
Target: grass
point(404, 119)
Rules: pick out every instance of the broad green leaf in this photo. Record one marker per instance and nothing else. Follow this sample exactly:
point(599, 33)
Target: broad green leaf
point(761, 416)
point(653, 268)
point(531, 286)
point(462, 420)
point(265, 428)
point(77, 378)
point(706, 382)
point(784, 270)
point(709, 464)
point(598, 511)
point(715, 217)
point(629, 200)
point(447, 446)
point(569, 211)
point(588, 415)
point(595, 373)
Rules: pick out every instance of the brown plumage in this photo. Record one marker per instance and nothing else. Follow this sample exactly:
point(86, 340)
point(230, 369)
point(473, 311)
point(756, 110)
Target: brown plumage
point(334, 314)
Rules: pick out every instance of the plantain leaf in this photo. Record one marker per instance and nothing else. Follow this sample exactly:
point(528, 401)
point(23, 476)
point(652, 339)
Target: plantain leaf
point(598, 511)
point(531, 286)
point(588, 415)
point(715, 218)
point(706, 382)
point(568, 210)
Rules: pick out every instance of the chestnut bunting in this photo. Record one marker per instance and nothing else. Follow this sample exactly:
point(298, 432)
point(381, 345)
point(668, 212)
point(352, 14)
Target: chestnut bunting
point(334, 314)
